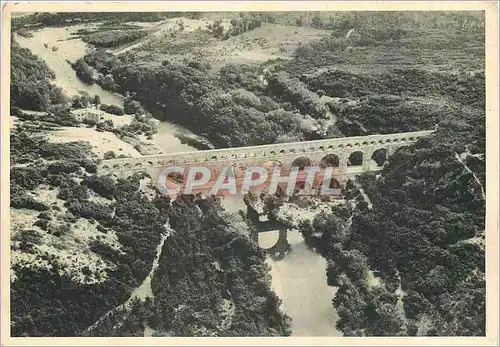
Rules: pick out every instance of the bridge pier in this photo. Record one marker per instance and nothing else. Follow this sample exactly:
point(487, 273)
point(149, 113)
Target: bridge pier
point(279, 250)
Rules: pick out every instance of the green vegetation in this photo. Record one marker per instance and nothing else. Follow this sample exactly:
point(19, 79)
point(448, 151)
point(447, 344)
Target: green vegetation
point(113, 109)
point(195, 100)
point(238, 26)
point(46, 19)
point(31, 78)
point(84, 71)
point(423, 235)
point(425, 232)
point(223, 265)
point(410, 261)
point(211, 281)
point(293, 91)
point(48, 303)
point(114, 38)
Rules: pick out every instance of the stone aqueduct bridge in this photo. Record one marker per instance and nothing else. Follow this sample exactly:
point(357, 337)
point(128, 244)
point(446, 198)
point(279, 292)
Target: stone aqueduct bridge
point(342, 149)
point(315, 152)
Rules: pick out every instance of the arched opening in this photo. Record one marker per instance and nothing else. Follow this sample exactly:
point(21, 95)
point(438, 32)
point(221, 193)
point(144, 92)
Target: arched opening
point(116, 166)
point(105, 167)
point(214, 157)
point(380, 156)
point(334, 184)
point(355, 159)
point(330, 160)
point(127, 165)
point(174, 180)
point(301, 162)
point(138, 164)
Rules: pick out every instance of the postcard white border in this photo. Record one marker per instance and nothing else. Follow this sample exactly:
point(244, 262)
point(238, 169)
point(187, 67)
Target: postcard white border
point(492, 168)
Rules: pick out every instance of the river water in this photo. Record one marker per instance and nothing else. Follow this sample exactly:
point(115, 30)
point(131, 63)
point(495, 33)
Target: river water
point(299, 279)
point(167, 138)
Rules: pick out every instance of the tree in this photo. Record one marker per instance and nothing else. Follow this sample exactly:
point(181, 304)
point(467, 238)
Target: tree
point(109, 155)
point(97, 101)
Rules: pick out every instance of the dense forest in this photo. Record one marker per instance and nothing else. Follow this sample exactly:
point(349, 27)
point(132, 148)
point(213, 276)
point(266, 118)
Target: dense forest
point(230, 113)
point(31, 86)
point(424, 237)
point(406, 250)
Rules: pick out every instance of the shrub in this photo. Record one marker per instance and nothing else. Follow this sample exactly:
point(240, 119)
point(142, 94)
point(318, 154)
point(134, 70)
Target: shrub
point(26, 201)
point(90, 119)
point(63, 167)
point(102, 185)
point(90, 210)
point(65, 151)
point(84, 72)
point(132, 107)
point(113, 109)
point(42, 224)
point(72, 191)
point(109, 155)
point(45, 215)
point(89, 165)
point(107, 125)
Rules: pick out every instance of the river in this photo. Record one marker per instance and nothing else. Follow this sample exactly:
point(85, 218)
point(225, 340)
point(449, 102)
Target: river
point(299, 279)
point(167, 138)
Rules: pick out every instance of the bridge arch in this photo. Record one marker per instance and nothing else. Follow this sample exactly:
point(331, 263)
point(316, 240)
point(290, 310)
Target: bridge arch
point(330, 160)
point(355, 151)
point(301, 162)
point(276, 249)
point(334, 184)
point(355, 158)
point(380, 156)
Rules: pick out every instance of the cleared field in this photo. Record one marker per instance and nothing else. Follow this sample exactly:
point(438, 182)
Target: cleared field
point(268, 42)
